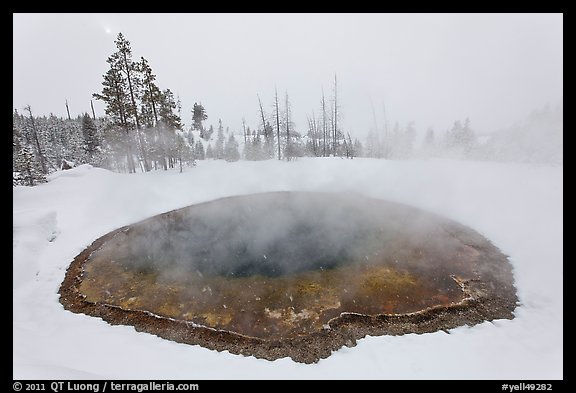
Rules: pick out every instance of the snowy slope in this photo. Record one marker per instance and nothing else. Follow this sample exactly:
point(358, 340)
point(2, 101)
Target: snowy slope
point(517, 206)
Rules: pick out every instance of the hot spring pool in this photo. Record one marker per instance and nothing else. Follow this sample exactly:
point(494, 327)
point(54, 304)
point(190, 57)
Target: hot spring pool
point(294, 274)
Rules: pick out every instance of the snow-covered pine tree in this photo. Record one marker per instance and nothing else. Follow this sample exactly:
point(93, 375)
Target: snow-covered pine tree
point(116, 97)
point(34, 139)
point(168, 124)
point(75, 147)
point(27, 170)
point(199, 153)
point(198, 116)
point(209, 152)
point(151, 98)
point(208, 133)
point(248, 152)
point(90, 138)
point(358, 148)
point(268, 149)
point(219, 147)
point(183, 151)
point(54, 145)
point(231, 152)
point(429, 138)
point(428, 148)
point(468, 138)
point(258, 152)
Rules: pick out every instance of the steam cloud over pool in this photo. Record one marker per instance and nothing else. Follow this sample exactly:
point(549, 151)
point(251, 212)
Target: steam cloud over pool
point(291, 274)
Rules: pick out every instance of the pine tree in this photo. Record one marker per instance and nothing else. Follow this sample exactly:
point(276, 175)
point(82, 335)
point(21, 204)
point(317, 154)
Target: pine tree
point(167, 111)
point(453, 136)
point(324, 126)
point(168, 124)
point(27, 171)
point(288, 151)
point(130, 69)
point(461, 139)
point(151, 95)
point(34, 138)
point(468, 137)
point(277, 108)
point(16, 137)
point(349, 147)
point(198, 116)
point(267, 151)
point(115, 96)
point(231, 152)
point(183, 151)
point(372, 145)
point(428, 147)
point(219, 147)
point(151, 100)
point(335, 118)
point(408, 140)
point(199, 151)
point(209, 152)
point(258, 152)
point(248, 152)
point(75, 145)
point(56, 140)
point(429, 138)
point(208, 134)
point(358, 149)
point(90, 137)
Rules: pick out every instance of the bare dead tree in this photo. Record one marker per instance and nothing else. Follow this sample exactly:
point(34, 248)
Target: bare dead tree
point(288, 152)
point(312, 131)
point(335, 114)
point(378, 147)
point(314, 135)
point(68, 110)
point(277, 121)
point(386, 137)
point(324, 130)
point(93, 113)
point(37, 141)
point(264, 126)
point(129, 69)
point(350, 147)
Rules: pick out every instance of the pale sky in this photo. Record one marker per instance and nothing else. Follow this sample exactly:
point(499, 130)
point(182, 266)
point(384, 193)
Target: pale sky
point(428, 68)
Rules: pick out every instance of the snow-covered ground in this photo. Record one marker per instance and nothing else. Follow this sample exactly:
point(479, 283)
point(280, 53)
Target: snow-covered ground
point(517, 206)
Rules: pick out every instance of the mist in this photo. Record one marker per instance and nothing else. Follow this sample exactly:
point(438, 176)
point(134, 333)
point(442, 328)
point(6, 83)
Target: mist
point(428, 68)
point(248, 182)
point(284, 233)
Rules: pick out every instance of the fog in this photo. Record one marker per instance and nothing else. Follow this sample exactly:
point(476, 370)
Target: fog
point(429, 68)
point(283, 264)
point(283, 233)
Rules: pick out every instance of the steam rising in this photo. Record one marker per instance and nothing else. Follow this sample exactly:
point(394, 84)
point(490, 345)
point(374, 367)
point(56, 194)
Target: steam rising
point(273, 234)
point(284, 264)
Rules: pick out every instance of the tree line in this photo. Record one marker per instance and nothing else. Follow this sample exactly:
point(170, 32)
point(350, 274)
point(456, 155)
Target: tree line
point(143, 131)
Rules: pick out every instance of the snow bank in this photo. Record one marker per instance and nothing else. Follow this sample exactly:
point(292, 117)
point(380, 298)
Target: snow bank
point(517, 206)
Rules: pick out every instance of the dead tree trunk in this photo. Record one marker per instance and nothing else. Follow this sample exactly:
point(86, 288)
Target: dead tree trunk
point(277, 122)
point(264, 124)
point(324, 121)
point(288, 152)
point(335, 113)
point(135, 113)
point(68, 110)
point(37, 142)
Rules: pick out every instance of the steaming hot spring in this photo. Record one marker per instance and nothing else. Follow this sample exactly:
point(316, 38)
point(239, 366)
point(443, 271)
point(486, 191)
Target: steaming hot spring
point(296, 274)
